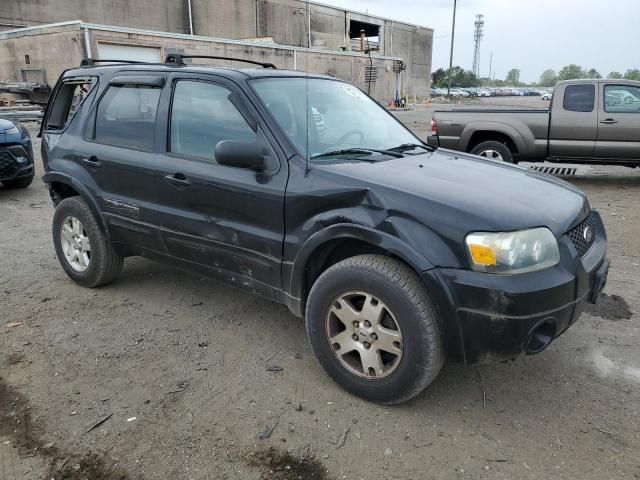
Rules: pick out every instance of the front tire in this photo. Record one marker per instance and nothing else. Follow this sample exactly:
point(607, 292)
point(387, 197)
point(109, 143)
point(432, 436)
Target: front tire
point(374, 329)
point(494, 150)
point(82, 248)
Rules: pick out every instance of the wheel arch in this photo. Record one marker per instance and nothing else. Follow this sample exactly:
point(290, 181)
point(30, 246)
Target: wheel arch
point(63, 186)
point(337, 242)
point(478, 132)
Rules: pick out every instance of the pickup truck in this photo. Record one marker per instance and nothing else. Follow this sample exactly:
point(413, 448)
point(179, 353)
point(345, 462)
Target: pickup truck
point(589, 121)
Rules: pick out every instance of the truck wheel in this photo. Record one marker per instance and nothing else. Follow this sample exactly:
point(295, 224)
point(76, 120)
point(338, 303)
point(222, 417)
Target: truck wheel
point(18, 182)
point(81, 246)
point(374, 329)
point(494, 150)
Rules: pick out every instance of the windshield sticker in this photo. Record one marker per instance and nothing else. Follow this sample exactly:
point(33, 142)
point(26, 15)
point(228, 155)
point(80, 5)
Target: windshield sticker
point(354, 92)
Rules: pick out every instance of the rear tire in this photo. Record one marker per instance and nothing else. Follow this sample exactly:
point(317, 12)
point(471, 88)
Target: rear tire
point(407, 316)
point(18, 182)
point(495, 150)
point(101, 265)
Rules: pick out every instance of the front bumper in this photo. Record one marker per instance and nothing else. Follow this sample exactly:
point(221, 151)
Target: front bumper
point(15, 162)
point(499, 317)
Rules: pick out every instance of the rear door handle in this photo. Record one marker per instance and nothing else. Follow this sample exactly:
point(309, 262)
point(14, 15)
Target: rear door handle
point(92, 161)
point(177, 180)
point(609, 121)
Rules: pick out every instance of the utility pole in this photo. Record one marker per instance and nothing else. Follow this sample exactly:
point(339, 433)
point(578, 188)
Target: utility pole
point(477, 39)
point(490, 65)
point(453, 30)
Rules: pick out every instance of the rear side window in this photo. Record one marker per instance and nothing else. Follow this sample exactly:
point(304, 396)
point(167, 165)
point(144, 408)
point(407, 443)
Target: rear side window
point(579, 98)
point(67, 102)
point(202, 115)
point(126, 116)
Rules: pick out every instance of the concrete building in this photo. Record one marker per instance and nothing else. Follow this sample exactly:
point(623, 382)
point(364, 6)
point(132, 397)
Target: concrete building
point(297, 34)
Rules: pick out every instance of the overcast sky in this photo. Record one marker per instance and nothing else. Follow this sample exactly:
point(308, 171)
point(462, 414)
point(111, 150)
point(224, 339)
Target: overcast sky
point(531, 35)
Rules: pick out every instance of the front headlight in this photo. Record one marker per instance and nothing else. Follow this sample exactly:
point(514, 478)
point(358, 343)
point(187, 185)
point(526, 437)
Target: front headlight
point(513, 252)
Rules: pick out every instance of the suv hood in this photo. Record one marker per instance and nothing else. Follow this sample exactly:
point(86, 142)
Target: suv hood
point(474, 193)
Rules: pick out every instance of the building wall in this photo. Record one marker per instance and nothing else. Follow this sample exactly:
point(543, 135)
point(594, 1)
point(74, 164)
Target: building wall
point(54, 49)
point(51, 53)
point(286, 21)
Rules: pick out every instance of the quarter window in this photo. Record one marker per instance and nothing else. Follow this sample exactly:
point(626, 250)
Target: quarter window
point(621, 99)
point(67, 102)
point(579, 98)
point(202, 115)
point(126, 116)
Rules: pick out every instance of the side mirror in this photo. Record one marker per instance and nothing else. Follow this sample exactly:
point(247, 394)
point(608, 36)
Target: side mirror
point(234, 153)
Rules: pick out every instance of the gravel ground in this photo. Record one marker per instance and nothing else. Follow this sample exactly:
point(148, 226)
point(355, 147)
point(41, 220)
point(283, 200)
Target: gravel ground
point(187, 374)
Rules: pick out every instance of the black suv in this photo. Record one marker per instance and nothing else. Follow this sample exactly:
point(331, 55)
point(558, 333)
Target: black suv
point(16, 155)
point(302, 189)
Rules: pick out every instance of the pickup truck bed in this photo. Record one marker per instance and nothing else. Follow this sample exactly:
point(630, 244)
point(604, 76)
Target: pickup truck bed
point(590, 121)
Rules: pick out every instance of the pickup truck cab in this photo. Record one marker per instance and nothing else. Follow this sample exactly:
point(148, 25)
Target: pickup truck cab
point(589, 121)
point(398, 255)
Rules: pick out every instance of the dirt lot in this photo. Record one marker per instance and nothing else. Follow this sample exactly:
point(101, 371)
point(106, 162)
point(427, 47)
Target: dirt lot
point(186, 374)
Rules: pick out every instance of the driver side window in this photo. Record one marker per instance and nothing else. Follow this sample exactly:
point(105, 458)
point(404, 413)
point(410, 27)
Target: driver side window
point(203, 115)
point(621, 99)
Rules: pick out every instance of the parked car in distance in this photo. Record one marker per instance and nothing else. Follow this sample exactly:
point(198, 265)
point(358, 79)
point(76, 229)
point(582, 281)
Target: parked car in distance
point(222, 172)
point(16, 155)
point(583, 125)
point(547, 96)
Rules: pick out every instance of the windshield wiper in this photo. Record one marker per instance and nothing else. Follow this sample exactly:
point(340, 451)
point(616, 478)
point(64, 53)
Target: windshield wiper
point(356, 151)
point(411, 146)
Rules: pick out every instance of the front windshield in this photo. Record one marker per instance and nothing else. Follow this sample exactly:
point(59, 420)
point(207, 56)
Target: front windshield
point(340, 117)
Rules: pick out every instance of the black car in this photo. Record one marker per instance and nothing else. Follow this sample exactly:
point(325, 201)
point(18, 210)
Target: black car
point(16, 155)
point(397, 255)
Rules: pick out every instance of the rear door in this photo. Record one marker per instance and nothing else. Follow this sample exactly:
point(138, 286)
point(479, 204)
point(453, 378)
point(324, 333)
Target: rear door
point(574, 122)
point(229, 220)
point(618, 122)
point(118, 153)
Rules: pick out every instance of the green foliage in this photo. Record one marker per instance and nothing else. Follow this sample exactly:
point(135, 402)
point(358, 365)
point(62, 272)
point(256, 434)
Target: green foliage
point(513, 77)
point(571, 72)
point(615, 75)
point(632, 74)
point(548, 78)
point(592, 73)
point(460, 78)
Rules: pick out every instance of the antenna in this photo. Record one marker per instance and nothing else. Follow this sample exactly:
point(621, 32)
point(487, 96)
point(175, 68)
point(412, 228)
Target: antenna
point(477, 38)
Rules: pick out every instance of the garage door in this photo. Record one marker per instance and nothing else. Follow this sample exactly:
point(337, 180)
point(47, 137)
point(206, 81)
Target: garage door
point(112, 51)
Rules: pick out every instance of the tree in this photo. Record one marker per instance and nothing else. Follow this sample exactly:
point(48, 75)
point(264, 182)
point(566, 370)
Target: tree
point(459, 78)
point(513, 77)
point(632, 74)
point(548, 78)
point(440, 78)
point(614, 75)
point(592, 73)
point(571, 72)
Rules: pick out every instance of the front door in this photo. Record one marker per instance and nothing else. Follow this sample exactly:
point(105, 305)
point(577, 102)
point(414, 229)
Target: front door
point(227, 219)
point(619, 122)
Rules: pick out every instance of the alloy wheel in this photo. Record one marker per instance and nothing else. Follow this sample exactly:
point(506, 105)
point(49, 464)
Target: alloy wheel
point(493, 154)
point(364, 335)
point(75, 244)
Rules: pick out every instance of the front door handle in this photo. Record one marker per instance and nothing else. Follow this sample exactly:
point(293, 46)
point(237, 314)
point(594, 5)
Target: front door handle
point(177, 180)
point(92, 161)
point(609, 121)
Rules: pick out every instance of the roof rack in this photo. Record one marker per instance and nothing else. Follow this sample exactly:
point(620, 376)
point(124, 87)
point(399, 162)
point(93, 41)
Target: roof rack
point(178, 59)
point(87, 62)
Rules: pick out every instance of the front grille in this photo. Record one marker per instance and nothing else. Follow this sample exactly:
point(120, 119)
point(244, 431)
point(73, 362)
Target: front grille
point(580, 236)
point(8, 165)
